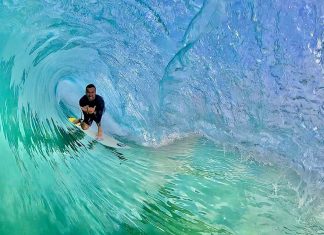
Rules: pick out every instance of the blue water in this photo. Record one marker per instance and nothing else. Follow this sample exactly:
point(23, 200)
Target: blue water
point(222, 103)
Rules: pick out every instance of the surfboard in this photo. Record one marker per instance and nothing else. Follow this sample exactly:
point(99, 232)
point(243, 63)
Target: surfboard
point(108, 141)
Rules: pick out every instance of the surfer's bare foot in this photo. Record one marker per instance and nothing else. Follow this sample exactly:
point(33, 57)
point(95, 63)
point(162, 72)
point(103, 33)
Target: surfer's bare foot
point(99, 136)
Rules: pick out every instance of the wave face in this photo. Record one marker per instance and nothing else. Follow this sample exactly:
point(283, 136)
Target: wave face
point(246, 75)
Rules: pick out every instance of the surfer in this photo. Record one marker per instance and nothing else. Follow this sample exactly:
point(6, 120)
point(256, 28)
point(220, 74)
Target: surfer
point(93, 107)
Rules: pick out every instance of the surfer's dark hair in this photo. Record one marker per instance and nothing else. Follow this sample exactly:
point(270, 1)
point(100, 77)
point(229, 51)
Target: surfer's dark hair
point(90, 86)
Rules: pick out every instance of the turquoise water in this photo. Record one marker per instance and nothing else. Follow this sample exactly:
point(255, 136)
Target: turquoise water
point(220, 101)
point(188, 187)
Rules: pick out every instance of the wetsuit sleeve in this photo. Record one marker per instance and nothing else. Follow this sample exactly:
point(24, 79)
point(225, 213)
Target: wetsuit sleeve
point(100, 108)
point(81, 102)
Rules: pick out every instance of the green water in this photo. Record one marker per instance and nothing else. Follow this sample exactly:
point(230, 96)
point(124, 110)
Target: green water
point(189, 187)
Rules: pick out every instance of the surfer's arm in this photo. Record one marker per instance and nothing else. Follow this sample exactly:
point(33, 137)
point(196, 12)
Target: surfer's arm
point(100, 107)
point(83, 105)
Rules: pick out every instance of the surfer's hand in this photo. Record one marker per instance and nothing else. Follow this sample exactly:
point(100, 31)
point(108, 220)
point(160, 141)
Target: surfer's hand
point(85, 108)
point(91, 110)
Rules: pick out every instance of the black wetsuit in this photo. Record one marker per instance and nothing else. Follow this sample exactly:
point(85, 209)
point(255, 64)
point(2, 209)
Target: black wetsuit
point(100, 108)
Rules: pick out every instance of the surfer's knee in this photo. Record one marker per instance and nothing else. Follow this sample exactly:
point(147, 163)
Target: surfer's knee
point(84, 126)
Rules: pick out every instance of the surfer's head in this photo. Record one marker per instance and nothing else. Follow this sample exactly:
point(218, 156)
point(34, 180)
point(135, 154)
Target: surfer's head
point(91, 92)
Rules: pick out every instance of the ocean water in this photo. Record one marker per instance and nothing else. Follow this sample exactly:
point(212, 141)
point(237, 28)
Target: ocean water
point(221, 103)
